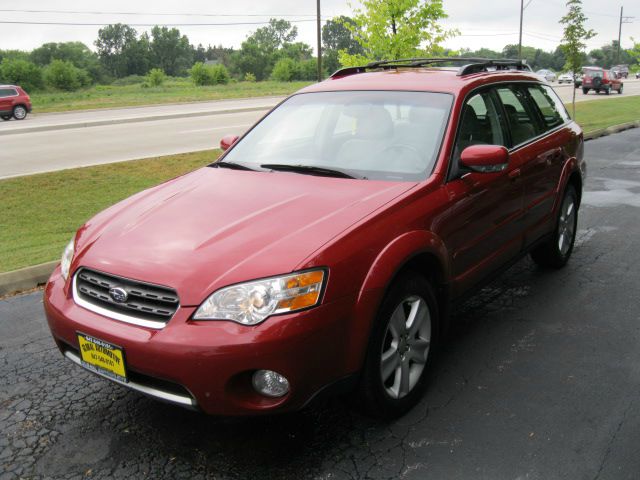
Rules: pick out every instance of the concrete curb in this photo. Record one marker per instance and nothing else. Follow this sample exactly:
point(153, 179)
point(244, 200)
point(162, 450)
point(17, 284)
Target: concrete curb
point(26, 278)
point(603, 132)
point(30, 277)
point(116, 121)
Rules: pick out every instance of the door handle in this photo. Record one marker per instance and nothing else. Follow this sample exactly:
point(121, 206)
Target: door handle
point(515, 173)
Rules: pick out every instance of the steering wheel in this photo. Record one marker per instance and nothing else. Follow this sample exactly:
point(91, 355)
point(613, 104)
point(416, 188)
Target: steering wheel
point(415, 162)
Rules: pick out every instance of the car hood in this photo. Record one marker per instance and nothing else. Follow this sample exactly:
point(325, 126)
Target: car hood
point(216, 227)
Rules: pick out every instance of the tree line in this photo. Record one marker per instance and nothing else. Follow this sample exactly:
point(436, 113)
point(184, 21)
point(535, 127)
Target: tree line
point(270, 52)
point(604, 56)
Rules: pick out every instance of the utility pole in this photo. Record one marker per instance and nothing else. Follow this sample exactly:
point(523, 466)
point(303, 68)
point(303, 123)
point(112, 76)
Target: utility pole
point(319, 42)
point(520, 41)
point(623, 19)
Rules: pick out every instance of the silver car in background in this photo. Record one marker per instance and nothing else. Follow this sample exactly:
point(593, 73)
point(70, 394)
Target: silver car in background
point(547, 75)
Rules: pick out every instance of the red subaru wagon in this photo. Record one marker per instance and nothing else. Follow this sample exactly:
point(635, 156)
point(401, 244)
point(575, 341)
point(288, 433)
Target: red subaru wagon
point(321, 252)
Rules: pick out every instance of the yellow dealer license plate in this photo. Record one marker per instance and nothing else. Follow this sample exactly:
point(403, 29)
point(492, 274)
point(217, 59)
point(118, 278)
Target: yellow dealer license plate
point(102, 357)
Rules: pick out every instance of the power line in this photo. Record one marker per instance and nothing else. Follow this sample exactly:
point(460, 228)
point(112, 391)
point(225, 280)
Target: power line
point(191, 14)
point(77, 24)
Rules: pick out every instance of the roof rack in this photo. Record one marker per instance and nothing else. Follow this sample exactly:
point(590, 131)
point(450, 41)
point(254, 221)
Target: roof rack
point(470, 65)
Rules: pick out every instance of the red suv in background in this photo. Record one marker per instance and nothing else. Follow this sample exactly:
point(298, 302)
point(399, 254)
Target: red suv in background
point(600, 80)
point(14, 102)
point(322, 251)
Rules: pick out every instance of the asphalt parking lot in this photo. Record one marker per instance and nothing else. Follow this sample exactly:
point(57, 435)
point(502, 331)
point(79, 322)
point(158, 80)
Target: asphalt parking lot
point(540, 380)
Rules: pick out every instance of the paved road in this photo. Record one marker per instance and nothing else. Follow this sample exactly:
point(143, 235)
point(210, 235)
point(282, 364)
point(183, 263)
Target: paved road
point(539, 381)
point(66, 119)
point(27, 153)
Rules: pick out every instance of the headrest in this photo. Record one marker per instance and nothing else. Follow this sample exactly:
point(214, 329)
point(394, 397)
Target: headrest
point(375, 124)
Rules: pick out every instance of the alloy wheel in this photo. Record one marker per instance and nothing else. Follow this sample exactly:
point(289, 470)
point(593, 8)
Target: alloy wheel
point(566, 225)
point(20, 113)
point(405, 348)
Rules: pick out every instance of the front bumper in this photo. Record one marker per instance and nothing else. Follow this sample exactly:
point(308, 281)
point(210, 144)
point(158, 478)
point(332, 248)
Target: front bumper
point(208, 364)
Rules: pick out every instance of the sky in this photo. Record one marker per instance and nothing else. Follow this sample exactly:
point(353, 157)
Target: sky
point(487, 23)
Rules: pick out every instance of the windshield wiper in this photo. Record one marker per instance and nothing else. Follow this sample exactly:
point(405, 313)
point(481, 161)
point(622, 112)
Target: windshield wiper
point(310, 170)
point(231, 165)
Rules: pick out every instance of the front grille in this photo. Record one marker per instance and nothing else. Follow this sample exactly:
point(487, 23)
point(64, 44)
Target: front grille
point(145, 302)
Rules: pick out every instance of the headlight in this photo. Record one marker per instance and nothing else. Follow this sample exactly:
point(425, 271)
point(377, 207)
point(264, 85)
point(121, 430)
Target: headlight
point(67, 256)
point(252, 302)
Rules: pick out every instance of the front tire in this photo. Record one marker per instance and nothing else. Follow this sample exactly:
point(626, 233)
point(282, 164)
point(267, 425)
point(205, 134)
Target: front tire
point(6, 117)
point(400, 348)
point(620, 90)
point(585, 91)
point(19, 112)
point(556, 251)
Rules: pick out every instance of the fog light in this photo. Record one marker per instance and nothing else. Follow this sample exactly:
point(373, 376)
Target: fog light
point(270, 383)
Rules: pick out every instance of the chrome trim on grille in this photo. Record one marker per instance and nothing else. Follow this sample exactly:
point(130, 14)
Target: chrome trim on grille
point(153, 392)
point(111, 314)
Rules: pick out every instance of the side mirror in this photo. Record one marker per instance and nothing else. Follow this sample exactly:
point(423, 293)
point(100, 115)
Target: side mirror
point(485, 158)
point(227, 141)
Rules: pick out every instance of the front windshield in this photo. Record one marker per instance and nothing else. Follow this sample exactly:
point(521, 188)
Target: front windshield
point(379, 135)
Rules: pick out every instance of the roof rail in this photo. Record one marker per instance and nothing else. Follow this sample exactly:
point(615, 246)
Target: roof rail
point(470, 65)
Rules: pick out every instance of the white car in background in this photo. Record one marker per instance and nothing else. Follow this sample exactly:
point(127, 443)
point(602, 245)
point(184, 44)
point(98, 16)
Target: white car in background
point(566, 78)
point(547, 75)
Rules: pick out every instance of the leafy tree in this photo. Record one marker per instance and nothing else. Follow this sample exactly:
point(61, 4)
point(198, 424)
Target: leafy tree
point(296, 51)
point(156, 77)
point(64, 75)
point(14, 55)
point(75, 52)
point(606, 56)
point(574, 38)
point(200, 54)
point(260, 51)
point(393, 29)
point(137, 56)
point(481, 53)
point(21, 72)
point(170, 51)
point(634, 52)
point(335, 37)
point(115, 43)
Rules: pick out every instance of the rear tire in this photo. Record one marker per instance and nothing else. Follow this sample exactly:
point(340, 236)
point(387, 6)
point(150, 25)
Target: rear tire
point(585, 91)
point(620, 90)
point(607, 91)
point(556, 251)
point(401, 347)
point(19, 112)
point(6, 117)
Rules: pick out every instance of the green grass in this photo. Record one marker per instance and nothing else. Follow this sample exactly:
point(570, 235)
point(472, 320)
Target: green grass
point(173, 91)
point(41, 212)
point(597, 114)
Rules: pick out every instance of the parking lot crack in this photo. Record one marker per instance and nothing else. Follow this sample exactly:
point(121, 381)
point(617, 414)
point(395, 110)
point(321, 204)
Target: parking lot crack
point(612, 440)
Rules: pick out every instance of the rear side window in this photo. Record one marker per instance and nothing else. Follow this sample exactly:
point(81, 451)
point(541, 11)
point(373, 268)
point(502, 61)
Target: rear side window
point(521, 121)
point(593, 73)
point(551, 109)
point(8, 92)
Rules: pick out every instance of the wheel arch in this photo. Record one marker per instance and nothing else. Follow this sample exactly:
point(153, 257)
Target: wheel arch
point(422, 252)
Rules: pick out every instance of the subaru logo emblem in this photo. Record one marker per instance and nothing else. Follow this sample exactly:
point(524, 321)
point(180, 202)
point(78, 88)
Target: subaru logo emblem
point(118, 294)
